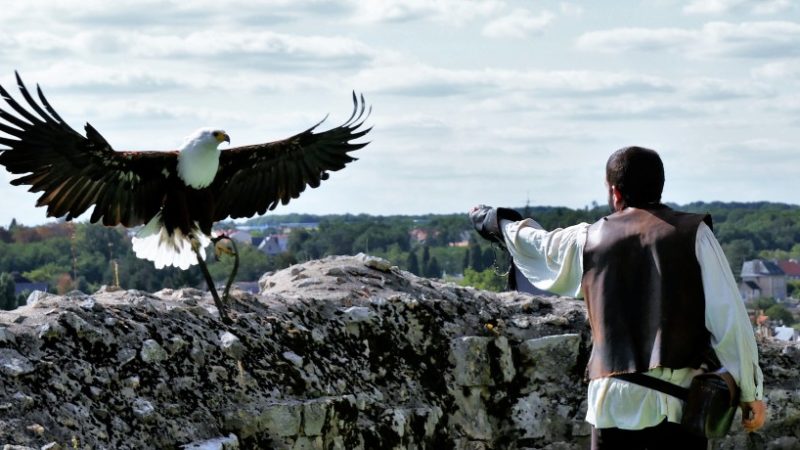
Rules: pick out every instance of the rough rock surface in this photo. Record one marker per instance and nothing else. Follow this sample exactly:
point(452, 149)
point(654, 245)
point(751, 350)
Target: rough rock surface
point(340, 353)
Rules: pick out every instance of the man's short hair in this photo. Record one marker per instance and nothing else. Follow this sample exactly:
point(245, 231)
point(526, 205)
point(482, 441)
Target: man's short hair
point(638, 173)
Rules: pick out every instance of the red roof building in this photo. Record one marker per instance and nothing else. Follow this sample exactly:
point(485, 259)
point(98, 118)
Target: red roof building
point(791, 267)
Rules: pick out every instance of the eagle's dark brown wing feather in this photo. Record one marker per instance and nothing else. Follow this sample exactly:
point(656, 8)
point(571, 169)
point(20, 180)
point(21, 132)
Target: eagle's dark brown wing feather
point(256, 178)
point(74, 172)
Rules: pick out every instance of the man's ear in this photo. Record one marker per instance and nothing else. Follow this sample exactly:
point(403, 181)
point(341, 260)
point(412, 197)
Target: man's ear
point(619, 202)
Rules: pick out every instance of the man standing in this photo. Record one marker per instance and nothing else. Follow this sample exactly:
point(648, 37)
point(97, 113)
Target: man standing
point(661, 299)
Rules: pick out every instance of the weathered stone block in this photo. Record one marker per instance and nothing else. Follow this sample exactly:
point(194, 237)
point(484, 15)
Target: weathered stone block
point(433, 416)
point(466, 444)
point(549, 357)
point(231, 345)
point(471, 357)
point(13, 364)
point(398, 421)
point(505, 359)
point(537, 416)
point(231, 442)
point(6, 336)
point(278, 419)
point(470, 417)
point(314, 416)
point(143, 409)
point(152, 352)
point(308, 443)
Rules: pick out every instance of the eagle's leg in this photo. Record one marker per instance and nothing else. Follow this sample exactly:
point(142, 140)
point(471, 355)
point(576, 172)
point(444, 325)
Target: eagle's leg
point(223, 312)
point(235, 253)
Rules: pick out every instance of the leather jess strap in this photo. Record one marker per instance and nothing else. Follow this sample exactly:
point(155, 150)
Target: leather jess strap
point(666, 387)
point(679, 392)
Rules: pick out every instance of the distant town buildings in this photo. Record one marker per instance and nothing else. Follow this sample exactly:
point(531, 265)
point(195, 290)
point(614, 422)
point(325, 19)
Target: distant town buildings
point(463, 240)
point(768, 279)
point(786, 334)
point(274, 244)
point(791, 267)
point(762, 278)
point(418, 235)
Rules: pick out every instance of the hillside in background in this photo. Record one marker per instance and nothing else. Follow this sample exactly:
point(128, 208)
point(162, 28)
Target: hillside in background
point(67, 256)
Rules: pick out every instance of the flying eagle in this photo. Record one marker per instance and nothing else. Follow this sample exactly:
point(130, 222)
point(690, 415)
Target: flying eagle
point(176, 195)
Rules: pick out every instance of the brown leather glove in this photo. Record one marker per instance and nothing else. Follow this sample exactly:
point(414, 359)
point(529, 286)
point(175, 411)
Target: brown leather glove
point(486, 221)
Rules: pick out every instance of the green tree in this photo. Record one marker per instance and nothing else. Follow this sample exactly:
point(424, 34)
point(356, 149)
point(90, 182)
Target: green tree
point(487, 280)
point(252, 264)
point(48, 273)
point(779, 312)
point(476, 261)
point(8, 300)
point(22, 298)
point(737, 251)
point(433, 269)
point(5, 236)
point(412, 263)
point(764, 303)
point(793, 288)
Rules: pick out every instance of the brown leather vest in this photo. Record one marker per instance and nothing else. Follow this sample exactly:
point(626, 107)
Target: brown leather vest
point(644, 291)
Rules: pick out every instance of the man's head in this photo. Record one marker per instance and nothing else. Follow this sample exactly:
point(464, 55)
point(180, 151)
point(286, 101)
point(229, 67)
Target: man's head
point(637, 174)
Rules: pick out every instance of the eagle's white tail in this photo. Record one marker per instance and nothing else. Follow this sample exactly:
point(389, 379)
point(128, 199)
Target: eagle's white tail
point(153, 243)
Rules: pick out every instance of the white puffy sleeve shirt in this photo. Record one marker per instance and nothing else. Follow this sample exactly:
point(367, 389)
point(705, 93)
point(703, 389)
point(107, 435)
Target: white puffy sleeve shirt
point(553, 261)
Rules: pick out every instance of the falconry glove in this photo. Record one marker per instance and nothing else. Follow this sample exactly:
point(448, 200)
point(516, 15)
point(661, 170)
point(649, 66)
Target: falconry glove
point(486, 221)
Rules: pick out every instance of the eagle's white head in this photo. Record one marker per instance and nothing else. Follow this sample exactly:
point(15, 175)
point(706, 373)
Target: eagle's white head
point(206, 137)
point(198, 160)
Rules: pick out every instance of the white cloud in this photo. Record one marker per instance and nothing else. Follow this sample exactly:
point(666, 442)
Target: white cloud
point(778, 71)
point(752, 39)
point(620, 40)
point(450, 11)
point(740, 40)
point(711, 89)
point(570, 9)
point(243, 48)
point(726, 6)
point(520, 23)
point(289, 50)
point(192, 14)
point(772, 6)
point(711, 6)
point(631, 109)
point(428, 81)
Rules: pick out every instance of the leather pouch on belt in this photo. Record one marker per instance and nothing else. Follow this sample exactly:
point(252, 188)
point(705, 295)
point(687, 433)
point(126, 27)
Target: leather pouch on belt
point(711, 404)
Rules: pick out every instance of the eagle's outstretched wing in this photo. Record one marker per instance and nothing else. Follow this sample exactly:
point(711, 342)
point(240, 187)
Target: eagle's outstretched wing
point(75, 172)
point(256, 178)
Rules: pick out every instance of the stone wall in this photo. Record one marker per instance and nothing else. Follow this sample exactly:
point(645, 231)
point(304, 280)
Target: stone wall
point(341, 353)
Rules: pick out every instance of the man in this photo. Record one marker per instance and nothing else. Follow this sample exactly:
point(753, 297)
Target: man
point(660, 297)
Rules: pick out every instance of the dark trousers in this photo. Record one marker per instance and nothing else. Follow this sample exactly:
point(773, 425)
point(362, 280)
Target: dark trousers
point(664, 436)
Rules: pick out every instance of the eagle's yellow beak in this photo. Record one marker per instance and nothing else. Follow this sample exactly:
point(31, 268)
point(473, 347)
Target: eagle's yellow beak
point(223, 137)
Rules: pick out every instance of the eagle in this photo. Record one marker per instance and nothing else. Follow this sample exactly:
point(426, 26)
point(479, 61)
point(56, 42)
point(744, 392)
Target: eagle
point(176, 195)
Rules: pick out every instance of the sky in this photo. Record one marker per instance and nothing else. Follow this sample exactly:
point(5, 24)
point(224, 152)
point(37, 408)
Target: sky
point(499, 102)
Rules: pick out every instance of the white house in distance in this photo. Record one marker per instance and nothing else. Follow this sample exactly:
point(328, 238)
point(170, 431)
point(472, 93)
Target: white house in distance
point(762, 278)
point(786, 334)
point(274, 244)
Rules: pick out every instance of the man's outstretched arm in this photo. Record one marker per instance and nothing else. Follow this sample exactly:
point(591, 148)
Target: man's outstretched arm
point(731, 332)
point(550, 260)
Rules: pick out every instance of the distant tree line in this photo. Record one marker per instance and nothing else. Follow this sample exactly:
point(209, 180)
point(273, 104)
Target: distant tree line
point(82, 256)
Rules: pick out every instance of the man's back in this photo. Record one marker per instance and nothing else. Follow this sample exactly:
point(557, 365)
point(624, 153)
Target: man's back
point(644, 291)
